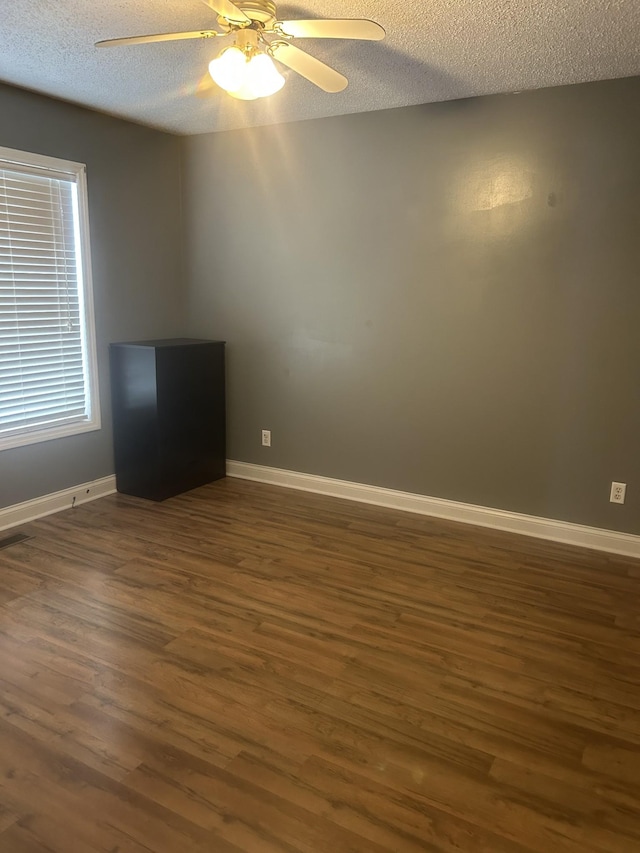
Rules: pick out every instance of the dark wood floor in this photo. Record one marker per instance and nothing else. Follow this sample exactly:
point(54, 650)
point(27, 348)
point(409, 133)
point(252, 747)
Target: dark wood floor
point(245, 668)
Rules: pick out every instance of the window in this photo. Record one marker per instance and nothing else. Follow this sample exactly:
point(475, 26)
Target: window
point(48, 377)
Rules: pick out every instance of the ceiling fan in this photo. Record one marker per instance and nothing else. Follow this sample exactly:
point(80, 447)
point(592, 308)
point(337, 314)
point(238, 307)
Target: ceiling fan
point(245, 69)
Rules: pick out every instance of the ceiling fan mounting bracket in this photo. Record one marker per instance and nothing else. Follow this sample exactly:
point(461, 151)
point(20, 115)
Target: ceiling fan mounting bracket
point(274, 44)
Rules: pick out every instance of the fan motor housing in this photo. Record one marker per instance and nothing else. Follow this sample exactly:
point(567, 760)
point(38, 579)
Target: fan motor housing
point(261, 11)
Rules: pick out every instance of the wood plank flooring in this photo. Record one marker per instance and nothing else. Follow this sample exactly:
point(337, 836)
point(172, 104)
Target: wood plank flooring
point(247, 669)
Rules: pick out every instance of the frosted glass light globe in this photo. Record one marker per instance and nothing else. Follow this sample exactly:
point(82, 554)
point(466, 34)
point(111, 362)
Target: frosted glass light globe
point(229, 70)
point(263, 77)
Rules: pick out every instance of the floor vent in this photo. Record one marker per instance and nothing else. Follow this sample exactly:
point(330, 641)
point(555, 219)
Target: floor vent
point(8, 541)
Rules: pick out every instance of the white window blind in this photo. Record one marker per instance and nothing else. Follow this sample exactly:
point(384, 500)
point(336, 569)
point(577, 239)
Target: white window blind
point(47, 352)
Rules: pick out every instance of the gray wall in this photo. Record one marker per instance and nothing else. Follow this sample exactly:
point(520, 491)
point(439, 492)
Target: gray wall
point(441, 299)
point(133, 180)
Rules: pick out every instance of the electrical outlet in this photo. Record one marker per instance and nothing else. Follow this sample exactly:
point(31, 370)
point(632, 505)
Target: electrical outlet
point(266, 438)
point(618, 493)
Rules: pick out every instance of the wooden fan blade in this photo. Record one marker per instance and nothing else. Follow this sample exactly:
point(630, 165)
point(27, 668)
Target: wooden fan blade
point(308, 66)
point(228, 10)
point(196, 34)
point(338, 28)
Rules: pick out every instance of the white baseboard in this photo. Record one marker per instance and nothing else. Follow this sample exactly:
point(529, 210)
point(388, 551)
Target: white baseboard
point(46, 505)
point(596, 538)
point(513, 522)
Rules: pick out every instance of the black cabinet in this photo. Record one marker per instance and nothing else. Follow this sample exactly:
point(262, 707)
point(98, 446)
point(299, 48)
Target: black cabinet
point(168, 401)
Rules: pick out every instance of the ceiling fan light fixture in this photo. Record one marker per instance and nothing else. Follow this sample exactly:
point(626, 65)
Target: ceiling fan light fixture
point(262, 77)
point(229, 69)
point(246, 76)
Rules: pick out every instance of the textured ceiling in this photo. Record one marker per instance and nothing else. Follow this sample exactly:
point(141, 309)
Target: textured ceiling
point(433, 51)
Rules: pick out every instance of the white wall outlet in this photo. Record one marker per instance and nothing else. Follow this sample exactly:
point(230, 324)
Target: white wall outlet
point(618, 493)
point(266, 438)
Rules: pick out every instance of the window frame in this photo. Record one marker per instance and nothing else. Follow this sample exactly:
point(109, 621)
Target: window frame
point(53, 167)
